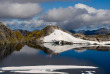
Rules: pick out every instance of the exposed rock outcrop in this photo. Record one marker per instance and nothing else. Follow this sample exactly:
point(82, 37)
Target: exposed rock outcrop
point(9, 36)
point(38, 35)
point(17, 36)
point(100, 37)
point(23, 32)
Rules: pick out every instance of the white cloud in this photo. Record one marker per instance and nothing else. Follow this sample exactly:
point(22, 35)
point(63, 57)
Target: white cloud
point(78, 16)
point(89, 9)
point(62, 14)
point(69, 18)
point(28, 24)
point(19, 11)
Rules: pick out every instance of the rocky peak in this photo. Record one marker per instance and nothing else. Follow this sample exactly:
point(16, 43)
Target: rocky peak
point(52, 28)
point(23, 32)
point(3, 27)
point(9, 36)
point(1, 23)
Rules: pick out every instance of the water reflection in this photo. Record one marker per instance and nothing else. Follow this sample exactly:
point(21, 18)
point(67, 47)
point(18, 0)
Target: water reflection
point(48, 48)
point(8, 49)
point(32, 54)
point(53, 49)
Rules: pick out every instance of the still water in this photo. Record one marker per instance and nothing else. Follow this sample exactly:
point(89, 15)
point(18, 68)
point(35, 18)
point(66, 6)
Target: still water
point(54, 59)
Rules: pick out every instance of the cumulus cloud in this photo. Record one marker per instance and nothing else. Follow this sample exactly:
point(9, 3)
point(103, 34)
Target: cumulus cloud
point(70, 18)
point(28, 24)
point(18, 10)
point(77, 17)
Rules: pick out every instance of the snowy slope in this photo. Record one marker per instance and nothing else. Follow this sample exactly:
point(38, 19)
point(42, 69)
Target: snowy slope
point(59, 35)
point(63, 48)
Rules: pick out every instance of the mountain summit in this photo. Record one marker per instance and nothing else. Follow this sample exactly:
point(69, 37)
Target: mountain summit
point(9, 36)
point(55, 34)
point(50, 34)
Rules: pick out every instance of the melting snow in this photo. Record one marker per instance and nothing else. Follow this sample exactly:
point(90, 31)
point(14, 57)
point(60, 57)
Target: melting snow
point(44, 69)
point(59, 35)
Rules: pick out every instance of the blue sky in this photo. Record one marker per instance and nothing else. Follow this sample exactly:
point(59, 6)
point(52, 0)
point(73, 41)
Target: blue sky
point(98, 4)
point(32, 15)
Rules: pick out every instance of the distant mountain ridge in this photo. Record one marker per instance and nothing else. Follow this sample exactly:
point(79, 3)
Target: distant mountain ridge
point(49, 34)
point(56, 34)
point(9, 36)
point(36, 35)
point(23, 32)
point(94, 32)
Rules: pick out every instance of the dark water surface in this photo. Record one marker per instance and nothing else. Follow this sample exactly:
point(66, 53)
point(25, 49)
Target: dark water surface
point(17, 55)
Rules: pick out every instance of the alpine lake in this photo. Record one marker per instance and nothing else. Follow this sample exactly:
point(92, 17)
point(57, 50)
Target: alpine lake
point(50, 58)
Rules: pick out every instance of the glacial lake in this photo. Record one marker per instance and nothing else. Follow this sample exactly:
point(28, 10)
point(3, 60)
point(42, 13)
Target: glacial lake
point(54, 59)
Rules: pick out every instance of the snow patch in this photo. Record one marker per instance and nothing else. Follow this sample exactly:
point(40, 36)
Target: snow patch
point(59, 35)
point(44, 69)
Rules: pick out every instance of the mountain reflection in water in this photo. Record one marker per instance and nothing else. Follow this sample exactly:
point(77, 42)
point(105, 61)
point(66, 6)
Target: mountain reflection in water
point(32, 54)
point(49, 48)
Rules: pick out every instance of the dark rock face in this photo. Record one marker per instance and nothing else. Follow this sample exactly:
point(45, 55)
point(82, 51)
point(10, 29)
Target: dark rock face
point(61, 42)
point(19, 36)
point(23, 32)
point(79, 35)
point(9, 36)
point(38, 35)
point(100, 37)
point(16, 36)
point(50, 29)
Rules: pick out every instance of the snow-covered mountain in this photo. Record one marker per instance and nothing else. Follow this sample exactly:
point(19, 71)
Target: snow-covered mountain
point(56, 34)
